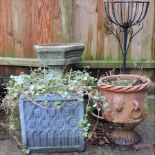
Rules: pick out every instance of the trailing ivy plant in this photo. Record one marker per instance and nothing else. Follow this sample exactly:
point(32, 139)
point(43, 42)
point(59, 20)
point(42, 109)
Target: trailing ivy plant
point(46, 81)
point(95, 102)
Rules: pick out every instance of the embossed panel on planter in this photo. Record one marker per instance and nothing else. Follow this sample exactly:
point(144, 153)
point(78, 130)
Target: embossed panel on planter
point(52, 129)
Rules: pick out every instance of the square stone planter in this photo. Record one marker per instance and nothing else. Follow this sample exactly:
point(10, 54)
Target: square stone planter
point(59, 54)
point(52, 129)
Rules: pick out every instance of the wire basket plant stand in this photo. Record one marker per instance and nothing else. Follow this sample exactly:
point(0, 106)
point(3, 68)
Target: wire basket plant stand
point(125, 15)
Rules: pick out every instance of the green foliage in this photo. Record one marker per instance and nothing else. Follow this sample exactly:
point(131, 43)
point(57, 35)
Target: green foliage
point(84, 123)
point(99, 101)
point(58, 104)
point(95, 101)
point(121, 83)
point(44, 81)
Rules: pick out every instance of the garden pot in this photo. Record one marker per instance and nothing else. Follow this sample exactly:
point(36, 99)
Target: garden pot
point(58, 55)
point(127, 106)
point(54, 127)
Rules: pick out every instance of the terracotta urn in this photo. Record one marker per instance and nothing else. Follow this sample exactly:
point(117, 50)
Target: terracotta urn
point(126, 106)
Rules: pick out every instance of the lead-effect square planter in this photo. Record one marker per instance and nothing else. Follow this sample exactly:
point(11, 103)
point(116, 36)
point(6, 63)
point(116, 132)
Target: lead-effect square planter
point(52, 129)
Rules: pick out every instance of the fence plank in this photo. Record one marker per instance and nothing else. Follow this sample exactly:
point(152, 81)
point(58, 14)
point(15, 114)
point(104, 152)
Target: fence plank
point(28, 22)
point(6, 44)
point(85, 26)
point(142, 43)
point(66, 20)
point(45, 21)
point(153, 36)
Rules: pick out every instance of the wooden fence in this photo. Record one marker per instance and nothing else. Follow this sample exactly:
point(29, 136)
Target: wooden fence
point(24, 23)
point(88, 27)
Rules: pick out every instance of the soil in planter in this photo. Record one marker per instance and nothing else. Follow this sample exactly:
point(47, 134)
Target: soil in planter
point(120, 82)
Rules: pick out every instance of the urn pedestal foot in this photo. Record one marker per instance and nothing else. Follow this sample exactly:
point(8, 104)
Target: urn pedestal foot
point(125, 137)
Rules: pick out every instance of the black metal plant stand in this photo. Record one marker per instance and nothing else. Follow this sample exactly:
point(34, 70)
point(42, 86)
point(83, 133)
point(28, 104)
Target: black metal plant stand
point(125, 14)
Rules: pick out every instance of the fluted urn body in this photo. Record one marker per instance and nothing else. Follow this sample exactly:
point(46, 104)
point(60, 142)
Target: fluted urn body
point(126, 105)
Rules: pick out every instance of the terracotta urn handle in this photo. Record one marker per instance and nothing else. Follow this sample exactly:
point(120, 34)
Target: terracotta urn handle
point(135, 111)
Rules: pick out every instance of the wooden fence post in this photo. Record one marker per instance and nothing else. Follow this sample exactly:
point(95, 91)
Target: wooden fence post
point(66, 20)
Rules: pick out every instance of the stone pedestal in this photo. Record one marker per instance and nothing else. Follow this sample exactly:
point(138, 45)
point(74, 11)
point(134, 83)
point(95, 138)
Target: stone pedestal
point(58, 56)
